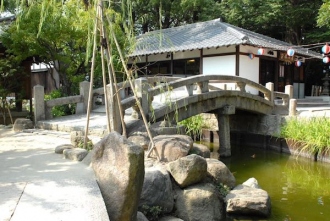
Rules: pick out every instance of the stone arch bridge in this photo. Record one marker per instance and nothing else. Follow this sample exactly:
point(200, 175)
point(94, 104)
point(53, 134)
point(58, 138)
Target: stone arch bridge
point(175, 99)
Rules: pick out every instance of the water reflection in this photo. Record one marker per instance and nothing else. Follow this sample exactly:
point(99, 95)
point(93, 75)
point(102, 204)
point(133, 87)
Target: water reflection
point(298, 187)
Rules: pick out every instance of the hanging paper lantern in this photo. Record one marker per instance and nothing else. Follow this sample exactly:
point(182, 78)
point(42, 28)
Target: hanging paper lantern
point(326, 60)
point(290, 52)
point(261, 51)
point(251, 56)
point(298, 63)
point(326, 49)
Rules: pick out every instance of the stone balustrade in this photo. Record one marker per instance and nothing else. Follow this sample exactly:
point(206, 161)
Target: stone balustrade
point(147, 88)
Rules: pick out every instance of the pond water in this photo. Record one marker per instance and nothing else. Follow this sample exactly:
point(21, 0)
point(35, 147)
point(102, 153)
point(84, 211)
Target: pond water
point(299, 188)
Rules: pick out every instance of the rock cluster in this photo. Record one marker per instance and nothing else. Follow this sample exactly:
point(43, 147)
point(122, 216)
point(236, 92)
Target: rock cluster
point(72, 151)
point(184, 185)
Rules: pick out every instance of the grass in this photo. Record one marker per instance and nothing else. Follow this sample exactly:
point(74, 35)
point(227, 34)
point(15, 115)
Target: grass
point(194, 126)
point(309, 134)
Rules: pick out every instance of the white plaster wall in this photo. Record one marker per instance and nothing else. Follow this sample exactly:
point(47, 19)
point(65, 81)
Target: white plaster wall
point(249, 68)
point(220, 65)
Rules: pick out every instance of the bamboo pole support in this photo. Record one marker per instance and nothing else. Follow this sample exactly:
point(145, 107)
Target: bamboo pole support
point(90, 95)
point(129, 77)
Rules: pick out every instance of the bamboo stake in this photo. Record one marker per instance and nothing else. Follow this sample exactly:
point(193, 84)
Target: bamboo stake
point(111, 72)
point(90, 96)
point(100, 15)
point(112, 75)
point(129, 77)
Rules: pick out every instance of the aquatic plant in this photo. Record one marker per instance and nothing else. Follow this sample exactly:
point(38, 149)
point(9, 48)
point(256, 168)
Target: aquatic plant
point(194, 126)
point(308, 134)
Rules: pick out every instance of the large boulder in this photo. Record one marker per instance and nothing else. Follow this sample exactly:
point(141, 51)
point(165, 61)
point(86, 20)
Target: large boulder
point(22, 124)
point(157, 189)
point(119, 169)
point(140, 138)
point(170, 218)
point(172, 147)
point(252, 182)
point(220, 173)
point(247, 200)
point(200, 150)
point(199, 202)
point(188, 170)
point(141, 217)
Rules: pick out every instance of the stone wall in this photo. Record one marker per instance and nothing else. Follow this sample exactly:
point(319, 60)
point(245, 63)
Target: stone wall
point(249, 123)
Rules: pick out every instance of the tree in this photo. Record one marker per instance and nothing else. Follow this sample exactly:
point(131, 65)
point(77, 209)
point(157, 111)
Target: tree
point(11, 77)
point(59, 42)
point(151, 15)
point(323, 22)
point(288, 20)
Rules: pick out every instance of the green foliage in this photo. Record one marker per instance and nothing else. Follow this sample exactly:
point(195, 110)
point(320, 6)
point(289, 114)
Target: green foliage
point(311, 135)
point(11, 78)
point(290, 21)
point(61, 110)
point(60, 41)
point(194, 126)
point(153, 14)
point(152, 212)
point(223, 189)
point(89, 145)
point(323, 18)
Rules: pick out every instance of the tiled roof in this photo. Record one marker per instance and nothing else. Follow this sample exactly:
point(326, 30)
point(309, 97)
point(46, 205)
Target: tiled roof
point(209, 34)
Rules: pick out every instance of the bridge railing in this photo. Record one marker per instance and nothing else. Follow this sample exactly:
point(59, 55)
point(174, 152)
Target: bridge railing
point(147, 88)
point(202, 84)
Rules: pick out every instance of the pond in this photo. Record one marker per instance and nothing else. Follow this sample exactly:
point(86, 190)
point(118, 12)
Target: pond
point(299, 188)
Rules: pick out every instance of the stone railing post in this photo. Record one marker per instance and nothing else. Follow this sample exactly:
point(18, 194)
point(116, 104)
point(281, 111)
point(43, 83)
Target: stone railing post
point(81, 108)
point(39, 103)
point(141, 89)
point(270, 86)
point(293, 107)
point(241, 86)
point(289, 91)
point(202, 87)
point(190, 89)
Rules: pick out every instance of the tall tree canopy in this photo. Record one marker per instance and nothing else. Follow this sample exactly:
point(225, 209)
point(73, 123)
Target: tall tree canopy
point(288, 20)
point(151, 15)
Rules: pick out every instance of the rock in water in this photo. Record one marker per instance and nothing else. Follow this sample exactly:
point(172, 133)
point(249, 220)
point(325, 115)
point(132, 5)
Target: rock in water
point(119, 168)
point(245, 200)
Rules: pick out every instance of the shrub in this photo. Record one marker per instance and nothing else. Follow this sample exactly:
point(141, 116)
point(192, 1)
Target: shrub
point(61, 110)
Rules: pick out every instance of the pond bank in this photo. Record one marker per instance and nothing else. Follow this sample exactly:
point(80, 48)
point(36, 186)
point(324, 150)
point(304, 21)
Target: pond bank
point(263, 131)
